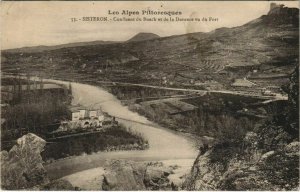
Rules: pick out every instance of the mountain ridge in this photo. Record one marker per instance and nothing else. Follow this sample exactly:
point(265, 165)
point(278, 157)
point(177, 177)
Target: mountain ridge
point(259, 45)
point(39, 48)
point(290, 15)
point(138, 37)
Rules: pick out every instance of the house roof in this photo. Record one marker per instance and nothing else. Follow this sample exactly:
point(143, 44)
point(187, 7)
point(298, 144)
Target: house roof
point(75, 108)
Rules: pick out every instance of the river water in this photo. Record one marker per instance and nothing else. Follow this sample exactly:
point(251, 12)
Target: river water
point(163, 144)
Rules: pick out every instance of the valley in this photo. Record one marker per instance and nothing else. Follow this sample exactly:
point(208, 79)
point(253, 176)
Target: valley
point(206, 111)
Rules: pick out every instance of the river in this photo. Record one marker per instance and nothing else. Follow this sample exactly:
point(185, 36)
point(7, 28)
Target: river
point(164, 144)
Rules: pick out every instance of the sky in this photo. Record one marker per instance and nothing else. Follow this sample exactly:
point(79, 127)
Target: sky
point(49, 23)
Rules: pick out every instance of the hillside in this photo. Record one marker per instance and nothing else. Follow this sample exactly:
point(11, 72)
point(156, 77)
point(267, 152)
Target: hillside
point(266, 158)
point(264, 50)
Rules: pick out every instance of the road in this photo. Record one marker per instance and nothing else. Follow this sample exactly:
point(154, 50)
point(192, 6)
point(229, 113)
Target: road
point(202, 92)
point(155, 86)
point(164, 144)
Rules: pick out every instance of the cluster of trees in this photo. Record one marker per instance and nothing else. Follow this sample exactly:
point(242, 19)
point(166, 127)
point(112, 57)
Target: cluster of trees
point(111, 138)
point(35, 115)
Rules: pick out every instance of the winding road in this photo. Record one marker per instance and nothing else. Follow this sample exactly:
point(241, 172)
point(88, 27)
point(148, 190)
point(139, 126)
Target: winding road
point(164, 144)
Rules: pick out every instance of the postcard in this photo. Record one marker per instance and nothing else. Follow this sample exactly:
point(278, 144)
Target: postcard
point(150, 95)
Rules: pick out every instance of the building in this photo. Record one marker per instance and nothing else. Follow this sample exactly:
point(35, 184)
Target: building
point(93, 113)
point(83, 119)
point(100, 115)
point(275, 5)
point(75, 116)
point(83, 113)
point(280, 9)
point(242, 83)
point(78, 113)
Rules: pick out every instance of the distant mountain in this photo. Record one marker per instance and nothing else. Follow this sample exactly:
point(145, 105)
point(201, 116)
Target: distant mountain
point(143, 37)
point(48, 48)
point(137, 37)
point(264, 48)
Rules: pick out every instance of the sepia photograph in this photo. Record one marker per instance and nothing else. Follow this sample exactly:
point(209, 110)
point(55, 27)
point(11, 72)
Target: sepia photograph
point(150, 95)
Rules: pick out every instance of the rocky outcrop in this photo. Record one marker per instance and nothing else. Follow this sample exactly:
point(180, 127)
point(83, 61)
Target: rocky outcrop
point(266, 159)
point(156, 177)
point(128, 175)
point(58, 185)
point(122, 175)
point(21, 167)
point(246, 168)
point(293, 113)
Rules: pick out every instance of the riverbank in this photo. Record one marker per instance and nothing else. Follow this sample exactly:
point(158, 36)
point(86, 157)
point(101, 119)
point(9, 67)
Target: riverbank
point(169, 174)
point(163, 143)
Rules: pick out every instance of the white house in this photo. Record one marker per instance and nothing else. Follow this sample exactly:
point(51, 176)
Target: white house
point(92, 113)
point(83, 113)
point(100, 116)
point(75, 115)
point(79, 113)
